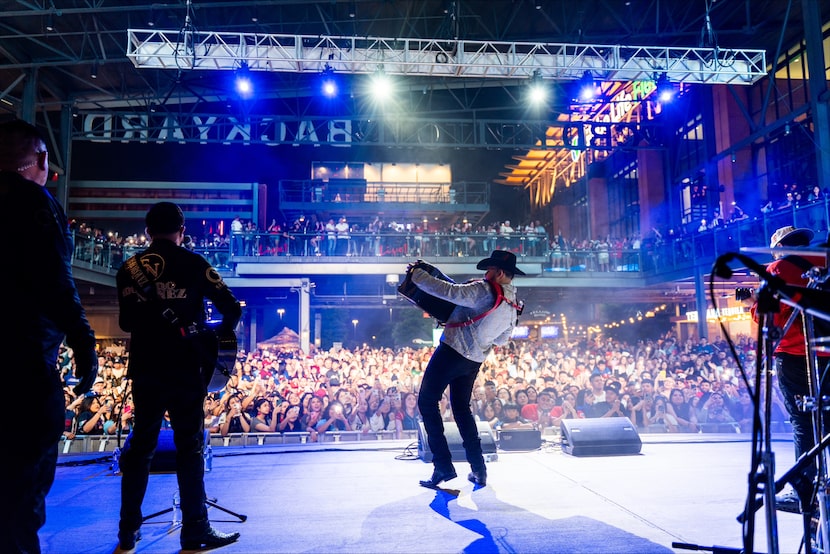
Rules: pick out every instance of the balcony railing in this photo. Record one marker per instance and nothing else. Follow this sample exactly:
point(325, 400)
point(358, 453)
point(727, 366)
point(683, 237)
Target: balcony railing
point(656, 256)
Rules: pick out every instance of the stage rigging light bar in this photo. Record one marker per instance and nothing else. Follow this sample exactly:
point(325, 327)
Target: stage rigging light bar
point(167, 49)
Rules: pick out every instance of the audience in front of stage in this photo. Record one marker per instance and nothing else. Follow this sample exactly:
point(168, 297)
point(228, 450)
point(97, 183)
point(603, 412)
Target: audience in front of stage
point(661, 385)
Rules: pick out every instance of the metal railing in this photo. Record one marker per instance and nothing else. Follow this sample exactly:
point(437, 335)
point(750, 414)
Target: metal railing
point(671, 253)
point(85, 444)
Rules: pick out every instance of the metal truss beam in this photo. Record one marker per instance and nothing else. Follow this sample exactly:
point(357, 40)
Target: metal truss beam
point(190, 49)
point(352, 130)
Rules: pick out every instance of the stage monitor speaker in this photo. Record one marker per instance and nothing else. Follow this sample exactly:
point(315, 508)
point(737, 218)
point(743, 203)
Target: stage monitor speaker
point(485, 433)
point(607, 436)
point(164, 460)
point(520, 439)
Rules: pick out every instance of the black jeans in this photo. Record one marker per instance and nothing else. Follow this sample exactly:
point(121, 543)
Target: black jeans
point(792, 380)
point(185, 405)
point(30, 463)
point(24, 511)
point(448, 367)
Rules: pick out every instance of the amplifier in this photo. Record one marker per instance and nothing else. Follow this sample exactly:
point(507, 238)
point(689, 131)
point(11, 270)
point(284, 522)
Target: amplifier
point(520, 439)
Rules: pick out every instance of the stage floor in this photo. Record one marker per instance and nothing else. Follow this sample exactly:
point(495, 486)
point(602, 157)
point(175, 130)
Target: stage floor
point(365, 498)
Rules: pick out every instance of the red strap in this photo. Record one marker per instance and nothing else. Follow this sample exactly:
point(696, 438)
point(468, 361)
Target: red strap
point(499, 299)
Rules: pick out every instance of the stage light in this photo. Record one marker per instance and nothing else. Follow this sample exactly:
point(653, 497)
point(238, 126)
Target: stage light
point(243, 84)
point(665, 90)
point(381, 86)
point(587, 87)
point(537, 90)
point(93, 72)
point(329, 86)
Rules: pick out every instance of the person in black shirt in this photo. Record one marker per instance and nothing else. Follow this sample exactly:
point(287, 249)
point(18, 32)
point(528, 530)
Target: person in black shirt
point(165, 369)
point(42, 304)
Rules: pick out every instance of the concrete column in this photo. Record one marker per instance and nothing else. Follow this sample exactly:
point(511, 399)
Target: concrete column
point(598, 207)
point(731, 126)
point(66, 156)
point(305, 315)
point(702, 306)
point(27, 110)
point(651, 189)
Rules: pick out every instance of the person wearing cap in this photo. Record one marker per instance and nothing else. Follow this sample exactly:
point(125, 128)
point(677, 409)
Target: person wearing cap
point(790, 356)
point(165, 369)
point(43, 307)
point(612, 406)
point(465, 343)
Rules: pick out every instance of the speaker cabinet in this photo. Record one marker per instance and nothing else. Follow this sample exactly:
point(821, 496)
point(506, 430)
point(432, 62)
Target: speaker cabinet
point(164, 459)
point(485, 433)
point(520, 439)
point(607, 436)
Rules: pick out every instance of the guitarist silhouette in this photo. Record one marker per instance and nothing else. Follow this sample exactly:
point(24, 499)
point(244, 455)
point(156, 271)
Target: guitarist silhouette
point(161, 296)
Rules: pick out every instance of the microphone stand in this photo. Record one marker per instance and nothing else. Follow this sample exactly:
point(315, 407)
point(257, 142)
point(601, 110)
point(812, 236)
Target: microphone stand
point(810, 301)
point(762, 470)
point(762, 475)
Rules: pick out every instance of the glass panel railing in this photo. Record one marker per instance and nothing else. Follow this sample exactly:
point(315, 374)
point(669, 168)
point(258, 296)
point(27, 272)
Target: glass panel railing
point(655, 256)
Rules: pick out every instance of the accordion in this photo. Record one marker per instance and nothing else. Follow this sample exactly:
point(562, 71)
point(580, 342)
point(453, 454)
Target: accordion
point(438, 308)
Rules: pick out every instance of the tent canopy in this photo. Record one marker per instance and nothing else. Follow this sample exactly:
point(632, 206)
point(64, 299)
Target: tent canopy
point(285, 339)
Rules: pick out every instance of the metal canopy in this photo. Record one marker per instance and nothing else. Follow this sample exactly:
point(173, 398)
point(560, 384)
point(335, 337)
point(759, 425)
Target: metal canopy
point(184, 49)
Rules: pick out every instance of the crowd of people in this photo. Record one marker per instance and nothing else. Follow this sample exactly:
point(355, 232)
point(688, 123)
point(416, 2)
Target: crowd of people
point(313, 237)
point(662, 385)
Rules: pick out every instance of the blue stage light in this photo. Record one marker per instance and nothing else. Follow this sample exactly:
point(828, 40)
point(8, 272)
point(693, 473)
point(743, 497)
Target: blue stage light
point(665, 90)
point(242, 83)
point(587, 87)
point(329, 84)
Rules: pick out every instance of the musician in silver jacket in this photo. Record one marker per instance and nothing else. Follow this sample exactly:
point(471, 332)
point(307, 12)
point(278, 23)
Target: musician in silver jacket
point(485, 314)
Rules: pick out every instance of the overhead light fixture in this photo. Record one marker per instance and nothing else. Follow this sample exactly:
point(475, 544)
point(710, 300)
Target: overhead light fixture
point(352, 9)
point(49, 23)
point(587, 87)
point(243, 84)
point(329, 86)
point(93, 72)
point(538, 90)
point(665, 89)
point(381, 86)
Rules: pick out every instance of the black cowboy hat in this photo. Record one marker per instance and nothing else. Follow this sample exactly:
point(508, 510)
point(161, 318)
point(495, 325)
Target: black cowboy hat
point(501, 259)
